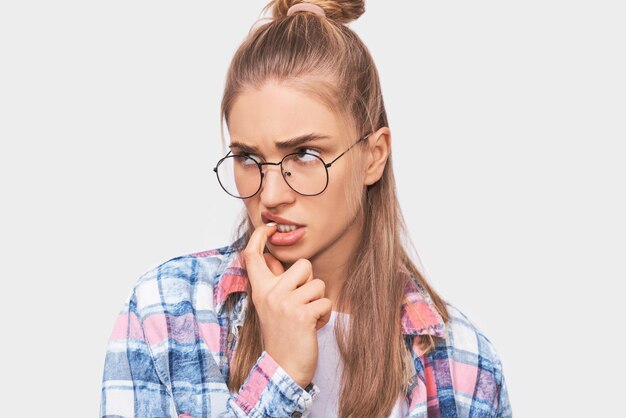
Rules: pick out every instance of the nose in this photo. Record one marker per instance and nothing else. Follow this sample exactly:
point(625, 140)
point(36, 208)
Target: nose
point(274, 189)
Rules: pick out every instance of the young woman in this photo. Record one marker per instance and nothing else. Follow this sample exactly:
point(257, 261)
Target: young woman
point(316, 309)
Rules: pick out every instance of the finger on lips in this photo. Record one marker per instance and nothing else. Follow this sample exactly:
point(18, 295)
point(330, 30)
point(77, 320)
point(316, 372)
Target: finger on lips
point(253, 254)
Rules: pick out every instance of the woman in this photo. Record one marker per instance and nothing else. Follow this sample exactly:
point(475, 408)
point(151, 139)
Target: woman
point(316, 308)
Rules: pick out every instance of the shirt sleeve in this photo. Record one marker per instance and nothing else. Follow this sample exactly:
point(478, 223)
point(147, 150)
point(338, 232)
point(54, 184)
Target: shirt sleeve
point(270, 391)
point(133, 387)
point(504, 406)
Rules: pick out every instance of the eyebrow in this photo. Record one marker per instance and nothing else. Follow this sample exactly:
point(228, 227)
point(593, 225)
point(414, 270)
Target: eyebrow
point(289, 143)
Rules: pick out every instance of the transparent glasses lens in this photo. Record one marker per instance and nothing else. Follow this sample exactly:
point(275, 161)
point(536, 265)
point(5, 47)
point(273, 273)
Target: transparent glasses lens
point(241, 176)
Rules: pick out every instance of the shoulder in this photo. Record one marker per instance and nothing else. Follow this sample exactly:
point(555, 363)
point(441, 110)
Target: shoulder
point(465, 336)
point(182, 282)
point(475, 366)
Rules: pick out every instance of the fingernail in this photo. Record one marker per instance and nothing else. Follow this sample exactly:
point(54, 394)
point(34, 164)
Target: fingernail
point(271, 224)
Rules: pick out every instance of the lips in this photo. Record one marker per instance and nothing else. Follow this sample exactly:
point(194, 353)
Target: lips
point(266, 216)
point(287, 238)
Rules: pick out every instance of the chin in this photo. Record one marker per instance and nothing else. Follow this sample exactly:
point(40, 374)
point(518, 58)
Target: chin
point(287, 254)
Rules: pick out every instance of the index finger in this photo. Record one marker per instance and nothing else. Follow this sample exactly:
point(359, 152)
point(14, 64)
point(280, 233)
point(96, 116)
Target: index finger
point(253, 253)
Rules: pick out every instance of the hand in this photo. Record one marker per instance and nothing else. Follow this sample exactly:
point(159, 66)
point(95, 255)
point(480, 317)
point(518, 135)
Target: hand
point(290, 304)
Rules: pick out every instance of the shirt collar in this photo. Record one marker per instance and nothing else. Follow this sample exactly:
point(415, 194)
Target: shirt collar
point(419, 315)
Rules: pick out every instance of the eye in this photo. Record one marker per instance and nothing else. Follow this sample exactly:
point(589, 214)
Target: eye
point(251, 157)
point(308, 150)
point(245, 159)
point(306, 156)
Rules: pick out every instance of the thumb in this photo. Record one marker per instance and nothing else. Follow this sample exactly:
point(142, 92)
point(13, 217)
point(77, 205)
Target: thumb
point(275, 266)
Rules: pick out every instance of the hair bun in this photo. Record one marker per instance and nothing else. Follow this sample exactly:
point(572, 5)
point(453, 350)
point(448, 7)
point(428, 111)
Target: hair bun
point(339, 11)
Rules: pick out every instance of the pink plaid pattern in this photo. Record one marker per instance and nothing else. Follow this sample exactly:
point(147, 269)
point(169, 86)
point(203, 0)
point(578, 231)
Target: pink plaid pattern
point(167, 352)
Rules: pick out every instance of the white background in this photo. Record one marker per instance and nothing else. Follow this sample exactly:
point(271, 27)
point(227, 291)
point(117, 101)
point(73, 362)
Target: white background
point(508, 125)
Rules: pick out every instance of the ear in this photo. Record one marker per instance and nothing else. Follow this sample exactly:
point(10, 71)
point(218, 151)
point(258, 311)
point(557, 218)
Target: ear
point(377, 153)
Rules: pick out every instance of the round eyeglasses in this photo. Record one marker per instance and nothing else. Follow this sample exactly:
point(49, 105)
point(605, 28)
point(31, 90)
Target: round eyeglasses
point(241, 176)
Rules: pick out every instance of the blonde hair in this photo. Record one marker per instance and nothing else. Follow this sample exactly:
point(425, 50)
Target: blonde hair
point(321, 56)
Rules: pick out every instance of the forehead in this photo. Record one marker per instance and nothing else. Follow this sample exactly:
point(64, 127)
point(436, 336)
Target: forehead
point(275, 113)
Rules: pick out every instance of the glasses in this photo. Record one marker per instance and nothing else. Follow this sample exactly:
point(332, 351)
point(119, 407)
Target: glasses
point(241, 176)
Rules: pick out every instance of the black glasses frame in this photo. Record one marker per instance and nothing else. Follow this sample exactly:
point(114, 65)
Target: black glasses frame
point(283, 172)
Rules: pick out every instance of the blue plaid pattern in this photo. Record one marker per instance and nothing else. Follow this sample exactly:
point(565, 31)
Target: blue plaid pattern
point(167, 354)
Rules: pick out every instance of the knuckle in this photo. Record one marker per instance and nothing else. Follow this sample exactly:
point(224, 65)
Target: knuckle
point(284, 307)
point(269, 299)
point(305, 263)
point(320, 284)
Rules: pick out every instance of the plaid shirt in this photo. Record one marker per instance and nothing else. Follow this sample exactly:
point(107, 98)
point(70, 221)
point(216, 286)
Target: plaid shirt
point(167, 354)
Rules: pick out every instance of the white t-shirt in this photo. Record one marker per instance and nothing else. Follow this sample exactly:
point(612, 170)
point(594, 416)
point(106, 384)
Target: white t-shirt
point(328, 375)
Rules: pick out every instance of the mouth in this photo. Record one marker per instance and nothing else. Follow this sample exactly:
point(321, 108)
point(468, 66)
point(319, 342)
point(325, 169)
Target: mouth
point(284, 225)
point(289, 237)
point(286, 228)
point(288, 232)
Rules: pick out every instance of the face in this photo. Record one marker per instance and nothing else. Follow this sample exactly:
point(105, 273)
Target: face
point(328, 231)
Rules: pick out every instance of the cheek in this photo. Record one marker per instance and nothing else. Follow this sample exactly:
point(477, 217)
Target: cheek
point(333, 205)
point(251, 209)
point(347, 193)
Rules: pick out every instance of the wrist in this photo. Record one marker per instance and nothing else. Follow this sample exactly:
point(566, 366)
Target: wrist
point(306, 385)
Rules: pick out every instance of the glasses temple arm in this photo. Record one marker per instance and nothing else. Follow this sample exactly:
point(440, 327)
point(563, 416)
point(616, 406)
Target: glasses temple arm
point(332, 162)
